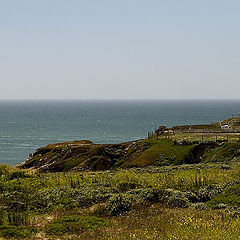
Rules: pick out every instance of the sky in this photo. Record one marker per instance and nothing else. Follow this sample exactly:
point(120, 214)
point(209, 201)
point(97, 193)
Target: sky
point(125, 49)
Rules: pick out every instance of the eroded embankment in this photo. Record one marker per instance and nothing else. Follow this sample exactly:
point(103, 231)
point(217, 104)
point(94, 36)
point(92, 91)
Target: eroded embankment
point(85, 155)
point(77, 155)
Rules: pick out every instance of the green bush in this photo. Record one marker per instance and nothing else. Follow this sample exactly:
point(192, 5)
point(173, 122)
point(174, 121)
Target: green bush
point(18, 175)
point(74, 224)
point(178, 202)
point(143, 195)
point(206, 193)
point(69, 198)
point(123, 186)
point(174, 198)
point(117, 205)
point(192, 197)
point(16, 232)
point(199, 206)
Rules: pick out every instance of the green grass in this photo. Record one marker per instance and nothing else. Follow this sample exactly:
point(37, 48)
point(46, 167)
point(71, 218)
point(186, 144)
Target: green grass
point(162, 152)
point(16, 232)
point(54, 203)
point(230, 197)
point(74, 224)
point(224, 153)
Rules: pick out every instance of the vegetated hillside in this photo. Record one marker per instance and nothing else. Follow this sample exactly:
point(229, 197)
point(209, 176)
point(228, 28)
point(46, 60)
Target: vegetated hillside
point(85, 155)
point(81, 155)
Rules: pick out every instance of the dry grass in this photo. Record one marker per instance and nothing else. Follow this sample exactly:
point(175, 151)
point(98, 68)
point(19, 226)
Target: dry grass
point(158, 222)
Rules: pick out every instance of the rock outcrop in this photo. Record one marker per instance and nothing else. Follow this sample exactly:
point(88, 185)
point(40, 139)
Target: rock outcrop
point(78, 155)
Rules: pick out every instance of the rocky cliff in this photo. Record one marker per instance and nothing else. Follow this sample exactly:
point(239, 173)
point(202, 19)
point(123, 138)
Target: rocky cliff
point(82, 155)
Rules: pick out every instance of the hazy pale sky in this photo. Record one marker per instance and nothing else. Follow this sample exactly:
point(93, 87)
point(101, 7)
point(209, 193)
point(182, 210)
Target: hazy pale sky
point(92, 49)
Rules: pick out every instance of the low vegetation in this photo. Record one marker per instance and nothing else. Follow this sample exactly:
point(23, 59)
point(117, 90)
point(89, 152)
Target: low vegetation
point(191, 200)
point(74, 224)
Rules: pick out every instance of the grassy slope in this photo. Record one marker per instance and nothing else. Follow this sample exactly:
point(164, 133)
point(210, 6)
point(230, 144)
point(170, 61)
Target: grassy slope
point(223, 153)
point(230, 196)
point(161, 152)
point(164, 152)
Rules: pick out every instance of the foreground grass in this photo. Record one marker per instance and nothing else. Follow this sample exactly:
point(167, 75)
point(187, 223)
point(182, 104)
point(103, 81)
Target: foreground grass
point(198, 201)
point(158, 222)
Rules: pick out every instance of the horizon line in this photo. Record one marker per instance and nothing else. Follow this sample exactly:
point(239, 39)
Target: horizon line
point(119, 99)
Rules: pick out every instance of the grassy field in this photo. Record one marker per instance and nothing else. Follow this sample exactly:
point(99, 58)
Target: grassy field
point(194, 201)
point(205, 137)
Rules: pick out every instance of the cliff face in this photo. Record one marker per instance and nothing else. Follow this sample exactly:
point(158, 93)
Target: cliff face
point(80, 155)
point(85, 155)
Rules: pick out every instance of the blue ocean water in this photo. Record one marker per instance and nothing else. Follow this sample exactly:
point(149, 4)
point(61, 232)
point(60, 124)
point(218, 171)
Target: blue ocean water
point(28, 125)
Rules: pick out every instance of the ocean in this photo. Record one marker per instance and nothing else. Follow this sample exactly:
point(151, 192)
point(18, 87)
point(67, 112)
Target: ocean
point(28, 125)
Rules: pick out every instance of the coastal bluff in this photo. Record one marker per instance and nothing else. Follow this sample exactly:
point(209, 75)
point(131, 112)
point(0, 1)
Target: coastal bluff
point(81, 155)
point(212, 144)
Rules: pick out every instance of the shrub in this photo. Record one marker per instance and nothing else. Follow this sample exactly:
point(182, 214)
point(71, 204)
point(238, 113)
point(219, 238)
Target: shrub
point(199, 206)
point(124, 186)
point(74, 224)
point(192, 197)
point(166, 193)
point(206, 193)
point(143, 195)
point(178, 202)
point(69, 198)
point(174, 198)
point(117, 205)
point(18, 175)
